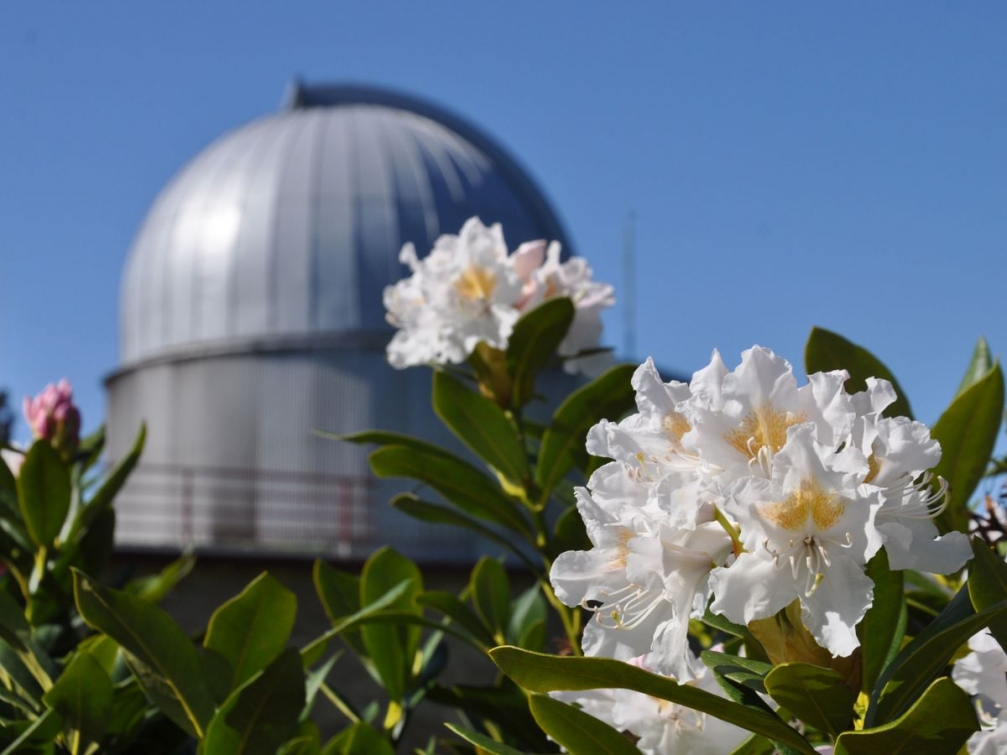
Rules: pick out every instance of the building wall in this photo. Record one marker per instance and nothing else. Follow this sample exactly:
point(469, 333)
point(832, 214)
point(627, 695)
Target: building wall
point(231, 461)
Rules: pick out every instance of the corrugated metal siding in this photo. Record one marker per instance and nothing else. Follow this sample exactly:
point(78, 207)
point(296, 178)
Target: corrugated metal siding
point(293, 225)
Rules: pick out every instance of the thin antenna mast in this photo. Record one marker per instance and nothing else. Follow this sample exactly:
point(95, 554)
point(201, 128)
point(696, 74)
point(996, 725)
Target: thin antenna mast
point(629, 287)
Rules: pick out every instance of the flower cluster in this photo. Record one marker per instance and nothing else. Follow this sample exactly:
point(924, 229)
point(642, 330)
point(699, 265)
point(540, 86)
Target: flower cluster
point(983, 674)
point(740, 493)
point(470, 290)
point(53, 416)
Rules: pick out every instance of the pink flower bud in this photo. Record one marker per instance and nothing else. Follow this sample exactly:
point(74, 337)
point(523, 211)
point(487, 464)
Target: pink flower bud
point(53, 416)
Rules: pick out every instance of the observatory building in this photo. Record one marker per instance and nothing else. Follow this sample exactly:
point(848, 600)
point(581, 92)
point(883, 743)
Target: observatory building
point(251, 313)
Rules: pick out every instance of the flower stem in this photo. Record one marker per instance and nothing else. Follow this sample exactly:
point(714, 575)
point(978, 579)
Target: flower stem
point(731, 530)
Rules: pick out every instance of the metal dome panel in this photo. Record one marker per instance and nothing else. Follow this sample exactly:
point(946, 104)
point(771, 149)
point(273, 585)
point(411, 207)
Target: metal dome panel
point(290, 227)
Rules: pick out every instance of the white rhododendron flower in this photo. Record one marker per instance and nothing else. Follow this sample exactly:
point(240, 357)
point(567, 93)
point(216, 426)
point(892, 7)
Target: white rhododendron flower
point(742, 492)
point(808, 531)
point(468, 290)
point(983, 674)
point(662, 726)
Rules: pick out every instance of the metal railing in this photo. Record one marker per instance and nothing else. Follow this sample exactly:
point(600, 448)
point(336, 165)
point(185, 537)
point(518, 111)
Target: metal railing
point(183, 505)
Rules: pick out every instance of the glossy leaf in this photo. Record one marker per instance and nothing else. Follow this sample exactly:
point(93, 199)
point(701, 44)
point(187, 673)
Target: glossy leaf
point(252, 628)
point(391, 648)
point(113, 483)
point(339, 593)
point(988, 584)
point(533, 343)
point(388, 438)
point(506, 707)
point(155, 587)
point(459, 482)
point(262, 714)
point(490, 591)
point(82, 696)
point(608, 396)
point(941, 720)
point(570, 533)
point(577, 731)
point(827, 351)
point(979, 365)
point(458, 612)
point(546, 673)
point(527, 611)
point(967, 432)
point(359, 739)
point(315, 650)
point(161, 656)
point(743, 671)
point(43, 487)
point(37, 737)
point(923, 659)
point(437, 514)
point(482, 426)
point(879, 629)
point(483, 743)
point(814, 694)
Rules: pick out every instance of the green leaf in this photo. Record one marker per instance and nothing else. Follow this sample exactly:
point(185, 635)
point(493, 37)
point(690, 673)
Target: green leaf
point(482, 426)
point(359, 739)
point(43, 488)
point(988, 584)
point(436, 514)
point(533, 343)
point(941, 720)
point(388, 438)
point(980, 364)
point(526, 612)
point(8, 482)
point(967, 432)
point(506, 707)
point(814, 694)
point(339, 593)
point(161, 656)
point(483, 743)
point(570, 533)
point(458, 612)
point(577, 731)
point(82, 696)
point(743, 671)
point(262, 714)
point(459, 482)
point(608, 396)
point(110, 488)
point(315, 650)
point(252, 628)
point(879, 629)
point(546, 673)
point(923, 659)
point(490, 591)
point(827, 351)
point(155, 587)
point(392, 649)
point(38, 737)
point(721, 623)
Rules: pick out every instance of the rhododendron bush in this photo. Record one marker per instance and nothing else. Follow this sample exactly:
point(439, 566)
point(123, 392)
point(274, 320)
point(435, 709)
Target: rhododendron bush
point(746, 562)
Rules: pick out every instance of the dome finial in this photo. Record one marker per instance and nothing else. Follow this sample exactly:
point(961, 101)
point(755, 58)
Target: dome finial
point(293, 98)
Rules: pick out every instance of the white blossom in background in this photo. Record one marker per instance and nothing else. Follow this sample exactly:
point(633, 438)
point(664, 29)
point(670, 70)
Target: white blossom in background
point(742, 492)
point(662, 726)
point(983, 674)
point(470, 290)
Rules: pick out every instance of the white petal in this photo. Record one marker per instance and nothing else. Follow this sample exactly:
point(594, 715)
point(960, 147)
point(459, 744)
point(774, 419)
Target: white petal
point(832, 612)
point(751, 588)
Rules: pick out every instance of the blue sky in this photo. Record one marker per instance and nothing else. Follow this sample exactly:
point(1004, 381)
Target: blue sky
point(790, 164)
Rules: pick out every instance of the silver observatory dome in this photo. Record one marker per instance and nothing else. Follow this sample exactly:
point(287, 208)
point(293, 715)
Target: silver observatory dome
point(251, 313)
